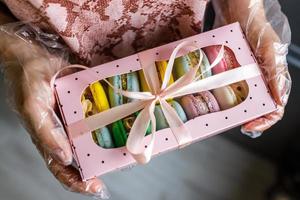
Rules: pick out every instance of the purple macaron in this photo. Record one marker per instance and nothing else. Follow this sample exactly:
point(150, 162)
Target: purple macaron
point(199, 104)
point(211, 101)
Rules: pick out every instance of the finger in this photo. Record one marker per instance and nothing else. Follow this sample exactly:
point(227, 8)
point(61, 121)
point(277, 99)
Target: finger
point(266, 56)
point(44, 125)
point(265, 122)
point(262, 37)
point(34, 101)
point(29, 79)
point(70, 178)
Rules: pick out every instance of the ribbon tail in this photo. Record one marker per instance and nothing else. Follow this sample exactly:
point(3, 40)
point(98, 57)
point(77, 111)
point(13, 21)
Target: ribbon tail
point(151, 76)
point(135, 142)
point(172, 59)
point(53, 79)
point(181, 82)
point(218, 59)
point(181, 133)
point(219, 80)
point(131, 94)
point(104, 118)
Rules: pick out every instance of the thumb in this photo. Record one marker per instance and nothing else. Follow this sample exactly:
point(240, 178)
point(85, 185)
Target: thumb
point(266, 51)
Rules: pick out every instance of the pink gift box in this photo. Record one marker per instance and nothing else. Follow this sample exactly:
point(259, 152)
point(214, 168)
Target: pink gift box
point(94, 160)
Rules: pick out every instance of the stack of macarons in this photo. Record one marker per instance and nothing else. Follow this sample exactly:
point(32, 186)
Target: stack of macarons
point(231, 95)
point(98, 97)
point(94, 101)
point(200, 103)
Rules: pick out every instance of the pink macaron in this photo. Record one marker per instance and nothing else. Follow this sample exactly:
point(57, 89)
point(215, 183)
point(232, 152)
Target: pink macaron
point(199, 104)
point(228, 62)
point(228, 96)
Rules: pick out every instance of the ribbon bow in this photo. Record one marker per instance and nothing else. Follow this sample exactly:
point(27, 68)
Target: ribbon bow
point(188, 84)
point(135, 144)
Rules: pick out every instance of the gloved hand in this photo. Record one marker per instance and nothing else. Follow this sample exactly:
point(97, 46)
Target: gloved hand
point(28, 68)
point(268, 32)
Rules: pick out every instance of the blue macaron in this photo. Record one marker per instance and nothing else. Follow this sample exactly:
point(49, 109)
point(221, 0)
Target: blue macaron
point(161, 122)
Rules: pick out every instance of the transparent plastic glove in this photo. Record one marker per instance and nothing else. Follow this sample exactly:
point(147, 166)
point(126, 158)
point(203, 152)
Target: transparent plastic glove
point(269, 34)
point(29, 59)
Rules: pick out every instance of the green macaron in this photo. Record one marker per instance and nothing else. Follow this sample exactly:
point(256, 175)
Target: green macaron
point(119, 133)
point(128, 123)
point(183, 64)
point(129, 82)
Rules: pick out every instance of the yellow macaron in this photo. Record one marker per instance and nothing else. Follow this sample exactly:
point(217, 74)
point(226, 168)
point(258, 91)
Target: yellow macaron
point(161, 67)
point(99, 96)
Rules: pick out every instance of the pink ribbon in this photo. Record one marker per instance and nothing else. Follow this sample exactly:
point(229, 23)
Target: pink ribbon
point(187, 84)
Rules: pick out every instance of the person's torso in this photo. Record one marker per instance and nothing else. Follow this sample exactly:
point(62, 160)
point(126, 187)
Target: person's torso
point(99, 31)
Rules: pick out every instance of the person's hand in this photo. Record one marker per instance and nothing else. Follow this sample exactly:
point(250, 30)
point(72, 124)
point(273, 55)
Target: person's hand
point(270, 51)
point(28, 68)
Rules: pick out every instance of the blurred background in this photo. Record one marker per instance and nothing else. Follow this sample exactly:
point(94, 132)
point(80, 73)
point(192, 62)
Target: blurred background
point(228, 166)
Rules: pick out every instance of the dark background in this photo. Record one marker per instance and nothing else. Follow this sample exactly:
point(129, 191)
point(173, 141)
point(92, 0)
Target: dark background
point(274, 142)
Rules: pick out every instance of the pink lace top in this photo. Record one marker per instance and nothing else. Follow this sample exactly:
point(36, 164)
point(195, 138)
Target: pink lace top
point(102, 30)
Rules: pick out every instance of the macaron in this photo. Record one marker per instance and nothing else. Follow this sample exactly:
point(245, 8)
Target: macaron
point(161, 67)
point(96, 93)
point(119, 133)
point(143, 82)
point(128, 82)
point(199, 104)
point(161, 122)
point(122, 127)
point(228, 62)
point(183, 64)
point(99, 96)
point(211, 101)
point(104, 138)
point(178, 108)
point(128, 123)
point(241, 90)
point(225, 97)
point(204, 67)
